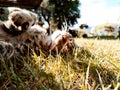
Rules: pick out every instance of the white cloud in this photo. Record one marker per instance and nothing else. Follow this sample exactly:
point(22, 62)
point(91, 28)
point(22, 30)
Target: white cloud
point(99, 11)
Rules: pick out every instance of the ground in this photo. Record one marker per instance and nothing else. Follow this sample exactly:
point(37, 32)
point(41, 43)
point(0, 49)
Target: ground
point(94, 66)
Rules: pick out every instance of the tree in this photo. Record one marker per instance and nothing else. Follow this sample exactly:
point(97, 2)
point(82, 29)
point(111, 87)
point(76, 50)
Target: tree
point(62, 11)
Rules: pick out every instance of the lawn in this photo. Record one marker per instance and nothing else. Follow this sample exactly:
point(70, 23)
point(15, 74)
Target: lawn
point(94, 66)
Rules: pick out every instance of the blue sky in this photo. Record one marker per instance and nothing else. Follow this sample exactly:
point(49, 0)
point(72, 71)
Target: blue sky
point(94, 12)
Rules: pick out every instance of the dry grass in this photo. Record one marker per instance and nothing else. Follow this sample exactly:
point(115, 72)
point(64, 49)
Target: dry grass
point(95, 66)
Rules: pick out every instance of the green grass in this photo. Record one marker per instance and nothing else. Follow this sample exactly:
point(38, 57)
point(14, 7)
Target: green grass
point(94, 66)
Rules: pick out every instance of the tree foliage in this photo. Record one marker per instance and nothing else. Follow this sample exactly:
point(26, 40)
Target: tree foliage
point(62, 10)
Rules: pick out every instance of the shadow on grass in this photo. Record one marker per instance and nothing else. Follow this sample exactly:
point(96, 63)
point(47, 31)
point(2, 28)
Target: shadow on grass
point(21, 73)
point(103, 37)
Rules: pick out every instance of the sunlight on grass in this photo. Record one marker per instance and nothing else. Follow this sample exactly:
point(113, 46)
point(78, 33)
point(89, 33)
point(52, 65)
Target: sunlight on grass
point(106, 52)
